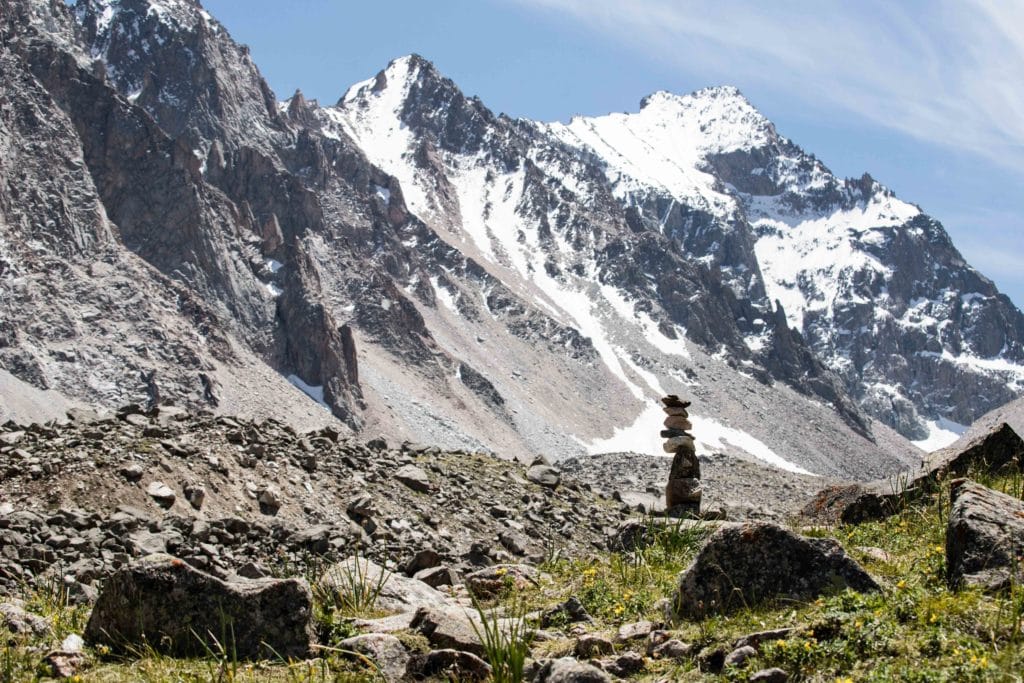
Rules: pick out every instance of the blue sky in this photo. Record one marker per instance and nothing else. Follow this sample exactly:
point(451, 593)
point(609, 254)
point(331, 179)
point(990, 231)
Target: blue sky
point(927, 96)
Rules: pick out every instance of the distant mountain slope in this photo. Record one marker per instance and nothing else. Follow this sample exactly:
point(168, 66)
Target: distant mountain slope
point(415, 265)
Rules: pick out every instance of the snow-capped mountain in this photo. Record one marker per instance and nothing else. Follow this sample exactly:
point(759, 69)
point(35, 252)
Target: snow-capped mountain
point(874, 286)
point(417, 266)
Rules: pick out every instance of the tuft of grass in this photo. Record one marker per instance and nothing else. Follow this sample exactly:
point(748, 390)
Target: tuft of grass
point(506, 641)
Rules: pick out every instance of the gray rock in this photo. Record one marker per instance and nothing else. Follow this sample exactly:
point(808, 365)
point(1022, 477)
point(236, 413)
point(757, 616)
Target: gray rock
point(636, 631)
point(984, 537)
point(195, 494)
point(450, 628)
point(856, 503)
point(544, 475)
point(747, 564)
point(398, 593)
point(414, 477)
point(448, 665)
point(132, 472)
point(162, 602)
point(15, 619)
point(161, 493)
point(591, 645)
point(625, 665)
point(672, 649)
point(569, 670)
point(739, 656)
point(773, 675)
point(386, 651)
point(437, 576)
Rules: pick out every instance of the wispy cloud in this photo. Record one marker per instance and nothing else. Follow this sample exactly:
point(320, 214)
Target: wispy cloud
point(947, 71)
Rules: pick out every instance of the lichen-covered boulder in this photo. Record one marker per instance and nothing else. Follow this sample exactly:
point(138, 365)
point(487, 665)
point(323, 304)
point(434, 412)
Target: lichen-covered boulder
point(164, 603)
point(747, 564)
point(984, 537)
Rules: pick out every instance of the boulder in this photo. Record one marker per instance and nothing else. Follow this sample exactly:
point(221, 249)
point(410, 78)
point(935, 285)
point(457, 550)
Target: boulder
point(773, 675)
point(544, 475)
point(14, 618)
point(747, 564)
point(984, 537)
point(161, 493)
point(414, 477)
point(163, 603)
point(397, 593)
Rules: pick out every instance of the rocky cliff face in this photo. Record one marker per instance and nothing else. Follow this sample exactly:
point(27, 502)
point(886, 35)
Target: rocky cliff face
point(420, 266)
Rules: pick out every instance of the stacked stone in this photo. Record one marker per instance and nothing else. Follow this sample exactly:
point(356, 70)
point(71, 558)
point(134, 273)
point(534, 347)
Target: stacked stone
point(683, 493)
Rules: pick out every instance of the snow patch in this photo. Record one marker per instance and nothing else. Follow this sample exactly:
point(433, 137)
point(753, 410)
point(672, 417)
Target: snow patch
point(711, 435)
point(941, 433)
point(314, 392)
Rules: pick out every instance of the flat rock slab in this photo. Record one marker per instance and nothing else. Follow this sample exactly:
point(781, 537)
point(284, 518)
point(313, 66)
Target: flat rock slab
point(164, 603)
point(856, 503)
point(984, 537)
point(741, 566)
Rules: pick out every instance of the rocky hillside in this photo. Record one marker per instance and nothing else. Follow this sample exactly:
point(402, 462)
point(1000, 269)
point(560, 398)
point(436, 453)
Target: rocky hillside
point(407, 262)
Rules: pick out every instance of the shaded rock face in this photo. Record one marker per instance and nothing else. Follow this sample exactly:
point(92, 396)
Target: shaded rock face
point(856, 503)
point(984, 537)
point(744, 565)
point(164, 603)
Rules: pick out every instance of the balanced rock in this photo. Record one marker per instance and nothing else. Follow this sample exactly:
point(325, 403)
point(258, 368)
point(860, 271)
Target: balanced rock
point(676, 442)
point(984, 537)
point(685, 491)
point(744, 565)
point(678, 422)
point(164, 603)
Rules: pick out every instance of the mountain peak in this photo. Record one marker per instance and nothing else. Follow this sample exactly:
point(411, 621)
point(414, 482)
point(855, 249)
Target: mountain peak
point(175, 14)
point(400, 73)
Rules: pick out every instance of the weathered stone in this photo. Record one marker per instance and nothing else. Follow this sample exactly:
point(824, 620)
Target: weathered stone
point(436, 576)
point(591, 645)
point(132, 472)
point(450, 627)
point(684, 466)
point(856, 503)
point(635, 631)
point(676, 410)
point(984, 537)
point(682, 492)
point(744, 565)
point(448, 665)
point(63, 664)
point(569, 670)
point(739, 656)
point(414, 477)
point(386, 651)
point(773, 675)
point(161, 493)
point(195, 494)
point(162, 602)
point(397, 593)
point(678, 422)
point(625, 665)
point(672, 648)
point(754, 640)
point(544, 475)
point(17, 620)
point(679, 442)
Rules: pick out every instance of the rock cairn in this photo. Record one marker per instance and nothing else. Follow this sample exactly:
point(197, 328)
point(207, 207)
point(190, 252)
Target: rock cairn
point(683, 493)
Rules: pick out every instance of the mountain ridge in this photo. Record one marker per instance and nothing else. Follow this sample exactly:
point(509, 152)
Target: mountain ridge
point(467, 284)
